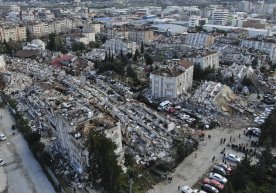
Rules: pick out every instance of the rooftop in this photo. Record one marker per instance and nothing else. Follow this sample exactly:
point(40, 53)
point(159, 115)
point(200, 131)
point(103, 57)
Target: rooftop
point(199, 53)
point(174, 70)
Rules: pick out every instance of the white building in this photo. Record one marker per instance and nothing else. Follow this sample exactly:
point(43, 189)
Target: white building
point(194, 21)
point(220, 16)
point(199, 39)
point(245, 6)
point(172, 82)
point(266, 45)
point(85, 38)
point(39, 29)
point(117, 45)
point(204, 59)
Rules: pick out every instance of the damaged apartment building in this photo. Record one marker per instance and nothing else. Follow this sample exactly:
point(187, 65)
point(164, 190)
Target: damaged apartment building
point(172, 80)
point(203, 59)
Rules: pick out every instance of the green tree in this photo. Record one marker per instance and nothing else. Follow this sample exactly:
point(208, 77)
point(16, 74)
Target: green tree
point(104, 170)
point(13, 46)
point(241, 174)
point(55, 43)
point(78, 46)
point(131, 73)
point(148, 59)
point(268, 134)
point(29, 35)
point(142, 48)
point(95, 44)
point(136, 55)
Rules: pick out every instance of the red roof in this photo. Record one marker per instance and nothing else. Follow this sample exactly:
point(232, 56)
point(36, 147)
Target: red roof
point(57, 61)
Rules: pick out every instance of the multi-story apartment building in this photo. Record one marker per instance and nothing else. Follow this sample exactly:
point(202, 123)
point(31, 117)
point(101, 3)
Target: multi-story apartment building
point(39, 29)
point(173, 81)
point(220, 16)
point(263, 44)
point(116, 45)
point(131, 32)
point(204, 59)
point(199, 39)
point(12, 32)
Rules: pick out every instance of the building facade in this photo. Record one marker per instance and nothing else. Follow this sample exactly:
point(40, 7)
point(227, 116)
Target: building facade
point(171, 83)
point(14, 32)
point(220, 16)
point(199, 39)
point(115, 46)
point(204, 60)
point(57, 26)
point(266, 45)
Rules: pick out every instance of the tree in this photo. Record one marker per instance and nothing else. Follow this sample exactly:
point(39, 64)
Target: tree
point(104, 170)
point(198, 28)
point(13, 46)
point(268, 134)
point(3, 48)
point(142, 48)
point(241, 173)
point(131, 73)
point(136, 55)
point(148, 59)
point(103, 39)
point(129, 55)
point(29, 35)
point(51, 44)
point(78, 46)
point(95, 44)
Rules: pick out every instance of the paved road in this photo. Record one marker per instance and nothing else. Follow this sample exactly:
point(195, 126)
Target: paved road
point(193, 168)
point(22, 173)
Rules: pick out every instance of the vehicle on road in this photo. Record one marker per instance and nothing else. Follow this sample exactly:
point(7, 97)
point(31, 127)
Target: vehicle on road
point(217, 177)
point(2, 137)
point(232, 158)
point(219, 170)
point(2, 162)
point(208, 188)
point(214, 183)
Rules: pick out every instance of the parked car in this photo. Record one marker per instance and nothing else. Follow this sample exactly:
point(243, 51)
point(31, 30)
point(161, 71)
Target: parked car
point(214, 183)
point(187, 189)
point(2, 162)
point(208, 188)
point(227, 168)
point(2, 137)
point(254, 131)
point(232, 158)
point(219, 170)
point(218, 177)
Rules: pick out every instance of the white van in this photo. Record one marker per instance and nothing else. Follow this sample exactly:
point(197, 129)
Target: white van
point(163, 105)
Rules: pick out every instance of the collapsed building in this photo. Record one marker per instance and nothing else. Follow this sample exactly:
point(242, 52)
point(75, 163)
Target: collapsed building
point(65, 108)
point(217, 97)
